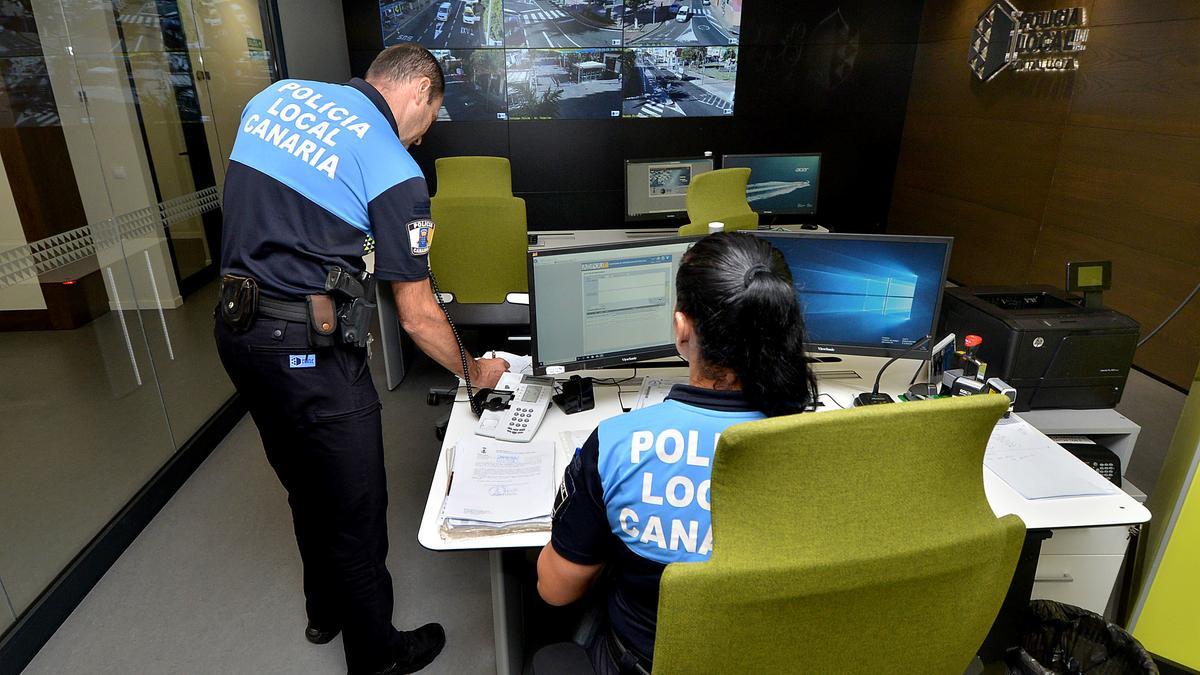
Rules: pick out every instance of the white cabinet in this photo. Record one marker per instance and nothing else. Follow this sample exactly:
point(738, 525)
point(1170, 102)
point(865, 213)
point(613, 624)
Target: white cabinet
point(1081, 566)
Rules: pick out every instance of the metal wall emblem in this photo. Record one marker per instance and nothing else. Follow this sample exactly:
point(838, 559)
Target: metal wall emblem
point(1030, 42)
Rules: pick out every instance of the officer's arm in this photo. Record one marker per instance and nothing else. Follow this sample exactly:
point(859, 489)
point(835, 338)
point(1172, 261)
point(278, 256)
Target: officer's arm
point(423, 320)
point(560, 581)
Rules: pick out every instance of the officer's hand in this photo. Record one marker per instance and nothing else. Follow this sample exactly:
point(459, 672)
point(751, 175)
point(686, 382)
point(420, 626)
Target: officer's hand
point(489, 371)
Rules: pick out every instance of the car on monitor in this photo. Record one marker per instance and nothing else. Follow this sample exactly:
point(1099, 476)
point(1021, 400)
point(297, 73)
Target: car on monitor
point(682, 14)
point(469, 15)
point(443, 12)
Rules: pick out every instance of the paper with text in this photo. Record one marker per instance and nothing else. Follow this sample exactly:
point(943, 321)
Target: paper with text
point(1037, 468)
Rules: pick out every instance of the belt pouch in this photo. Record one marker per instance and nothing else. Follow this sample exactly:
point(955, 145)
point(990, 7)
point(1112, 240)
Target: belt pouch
point(238, 300)
point(322, 321)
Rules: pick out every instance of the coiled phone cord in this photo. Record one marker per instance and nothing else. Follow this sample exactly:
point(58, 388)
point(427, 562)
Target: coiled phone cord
point(476, 407)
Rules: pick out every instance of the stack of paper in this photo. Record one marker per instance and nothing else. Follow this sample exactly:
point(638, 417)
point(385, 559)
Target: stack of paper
point(1037, 467)
point(499, 488)
point(655, 389)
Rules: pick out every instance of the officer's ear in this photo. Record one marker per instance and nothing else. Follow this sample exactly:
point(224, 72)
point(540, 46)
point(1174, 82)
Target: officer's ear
point(424, 91)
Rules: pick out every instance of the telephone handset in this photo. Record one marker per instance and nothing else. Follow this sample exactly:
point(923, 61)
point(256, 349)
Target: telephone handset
point(514, 410)
point(476, 405)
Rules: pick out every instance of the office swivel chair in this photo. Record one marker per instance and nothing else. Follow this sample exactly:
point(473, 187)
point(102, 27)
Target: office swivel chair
point(478, 251)
point(855, 541)
point(719, 196)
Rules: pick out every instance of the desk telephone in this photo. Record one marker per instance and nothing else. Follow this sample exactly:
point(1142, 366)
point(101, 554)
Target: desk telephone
point(528, 398)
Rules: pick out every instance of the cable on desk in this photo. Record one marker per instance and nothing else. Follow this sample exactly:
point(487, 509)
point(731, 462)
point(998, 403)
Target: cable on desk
point(834, 400)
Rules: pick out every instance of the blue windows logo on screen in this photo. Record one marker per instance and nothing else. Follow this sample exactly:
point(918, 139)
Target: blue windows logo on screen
point(886, 298)
point(891, 296)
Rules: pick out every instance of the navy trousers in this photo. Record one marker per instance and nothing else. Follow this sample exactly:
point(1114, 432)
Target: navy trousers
point(318, 414)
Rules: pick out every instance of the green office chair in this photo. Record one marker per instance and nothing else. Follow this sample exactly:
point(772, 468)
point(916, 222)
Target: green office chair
point(473, 177)
point(719, 196)
point(856, 541)
point(479, 246)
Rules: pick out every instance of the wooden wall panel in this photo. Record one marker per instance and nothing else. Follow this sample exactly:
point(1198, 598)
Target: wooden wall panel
point(1030, 171)
point(1115, 186)
point(1001, 164)
point(1141, 77)
point(1122, 12)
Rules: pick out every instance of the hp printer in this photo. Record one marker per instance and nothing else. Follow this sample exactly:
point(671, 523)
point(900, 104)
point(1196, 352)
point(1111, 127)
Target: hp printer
point(1056, 353)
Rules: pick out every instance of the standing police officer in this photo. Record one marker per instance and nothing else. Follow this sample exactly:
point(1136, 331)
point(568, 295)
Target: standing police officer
point(319, 175)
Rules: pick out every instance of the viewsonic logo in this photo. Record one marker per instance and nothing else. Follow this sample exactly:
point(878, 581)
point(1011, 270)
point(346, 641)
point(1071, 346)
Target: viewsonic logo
point(627, 359)
point(1030, 42)
point(825, 349)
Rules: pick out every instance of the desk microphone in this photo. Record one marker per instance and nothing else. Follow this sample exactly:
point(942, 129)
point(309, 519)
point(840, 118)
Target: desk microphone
point(875, 397)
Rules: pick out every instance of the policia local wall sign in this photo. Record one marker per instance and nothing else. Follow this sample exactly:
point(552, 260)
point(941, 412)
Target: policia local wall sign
point(1027, 42)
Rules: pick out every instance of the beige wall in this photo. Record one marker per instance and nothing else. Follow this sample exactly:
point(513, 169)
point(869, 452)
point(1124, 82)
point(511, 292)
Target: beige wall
point(27, 294)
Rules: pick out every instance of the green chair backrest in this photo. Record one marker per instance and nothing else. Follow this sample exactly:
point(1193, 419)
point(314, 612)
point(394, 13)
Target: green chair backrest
point(473, 177)
point(855, 541)
point(719, 196)
point(479, 246)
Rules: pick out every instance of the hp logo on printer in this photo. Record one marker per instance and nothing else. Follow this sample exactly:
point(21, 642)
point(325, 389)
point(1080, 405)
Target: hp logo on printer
point(1038, 342)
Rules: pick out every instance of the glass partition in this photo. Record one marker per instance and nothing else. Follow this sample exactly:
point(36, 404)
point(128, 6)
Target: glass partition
point(116, 120)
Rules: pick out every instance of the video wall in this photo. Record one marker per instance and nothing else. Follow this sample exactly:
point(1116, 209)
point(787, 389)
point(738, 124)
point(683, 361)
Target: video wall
point(576, 59)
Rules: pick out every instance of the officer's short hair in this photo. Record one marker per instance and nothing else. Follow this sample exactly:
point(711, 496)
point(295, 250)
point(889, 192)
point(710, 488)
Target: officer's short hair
point(402, 62)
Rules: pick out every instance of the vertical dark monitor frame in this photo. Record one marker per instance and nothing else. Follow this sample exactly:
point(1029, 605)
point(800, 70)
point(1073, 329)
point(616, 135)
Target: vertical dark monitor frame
point(662, 215)
point(631, 358)
point(862, 348)
point(725, 159)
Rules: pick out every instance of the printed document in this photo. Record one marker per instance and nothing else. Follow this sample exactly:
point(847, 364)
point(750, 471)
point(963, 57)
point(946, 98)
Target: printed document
point(1036, 467)
point(500, 483)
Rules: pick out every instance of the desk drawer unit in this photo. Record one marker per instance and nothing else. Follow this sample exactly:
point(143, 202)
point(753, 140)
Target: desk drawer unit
point(1082, 580)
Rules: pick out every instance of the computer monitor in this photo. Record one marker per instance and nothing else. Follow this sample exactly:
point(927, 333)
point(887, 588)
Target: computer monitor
point(780, 184)
point(874, 295)
point(656, 189)
point(595, 306)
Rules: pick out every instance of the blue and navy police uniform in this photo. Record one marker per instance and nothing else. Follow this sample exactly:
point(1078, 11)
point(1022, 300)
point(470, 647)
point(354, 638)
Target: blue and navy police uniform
point(636, 498)
point(317, 178)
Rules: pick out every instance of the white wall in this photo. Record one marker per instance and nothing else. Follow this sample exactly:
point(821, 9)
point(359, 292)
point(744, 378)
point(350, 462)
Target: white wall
point(314, 39)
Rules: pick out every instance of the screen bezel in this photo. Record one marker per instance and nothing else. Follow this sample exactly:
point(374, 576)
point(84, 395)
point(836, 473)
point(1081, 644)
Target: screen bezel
point(662, 215)
point(629, 359)
point(785, 212)
point(823, 348)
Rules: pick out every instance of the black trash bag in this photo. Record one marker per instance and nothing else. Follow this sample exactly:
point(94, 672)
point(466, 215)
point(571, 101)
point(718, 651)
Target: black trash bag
point(1059, 639)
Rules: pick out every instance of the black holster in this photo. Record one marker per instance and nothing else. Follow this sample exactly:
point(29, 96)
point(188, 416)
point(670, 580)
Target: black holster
point(237, 302)
point(356, 308)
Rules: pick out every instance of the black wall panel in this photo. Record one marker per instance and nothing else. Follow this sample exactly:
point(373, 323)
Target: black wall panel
point(824, 77)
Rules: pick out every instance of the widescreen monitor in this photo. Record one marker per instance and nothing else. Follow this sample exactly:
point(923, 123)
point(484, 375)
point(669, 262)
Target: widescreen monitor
point(611, 304)
point(657, 188)
point(780, 184)
point(875, 295)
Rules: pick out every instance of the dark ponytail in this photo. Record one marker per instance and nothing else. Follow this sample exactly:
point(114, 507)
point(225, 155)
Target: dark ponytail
point(737, 290)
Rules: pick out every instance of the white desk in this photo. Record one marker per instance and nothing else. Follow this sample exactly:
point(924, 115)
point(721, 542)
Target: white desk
point(842, 381)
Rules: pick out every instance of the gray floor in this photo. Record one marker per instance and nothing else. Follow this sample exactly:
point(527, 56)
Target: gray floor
point(213, 584)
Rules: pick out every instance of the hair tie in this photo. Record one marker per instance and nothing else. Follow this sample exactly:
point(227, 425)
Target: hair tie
point(753, 272)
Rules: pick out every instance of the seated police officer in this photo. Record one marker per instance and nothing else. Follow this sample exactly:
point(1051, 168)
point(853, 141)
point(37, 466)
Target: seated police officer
point(636, 496)
point(319, 176)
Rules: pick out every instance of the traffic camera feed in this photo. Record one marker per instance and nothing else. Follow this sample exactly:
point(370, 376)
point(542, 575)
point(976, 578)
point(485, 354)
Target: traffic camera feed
point(575, 59)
